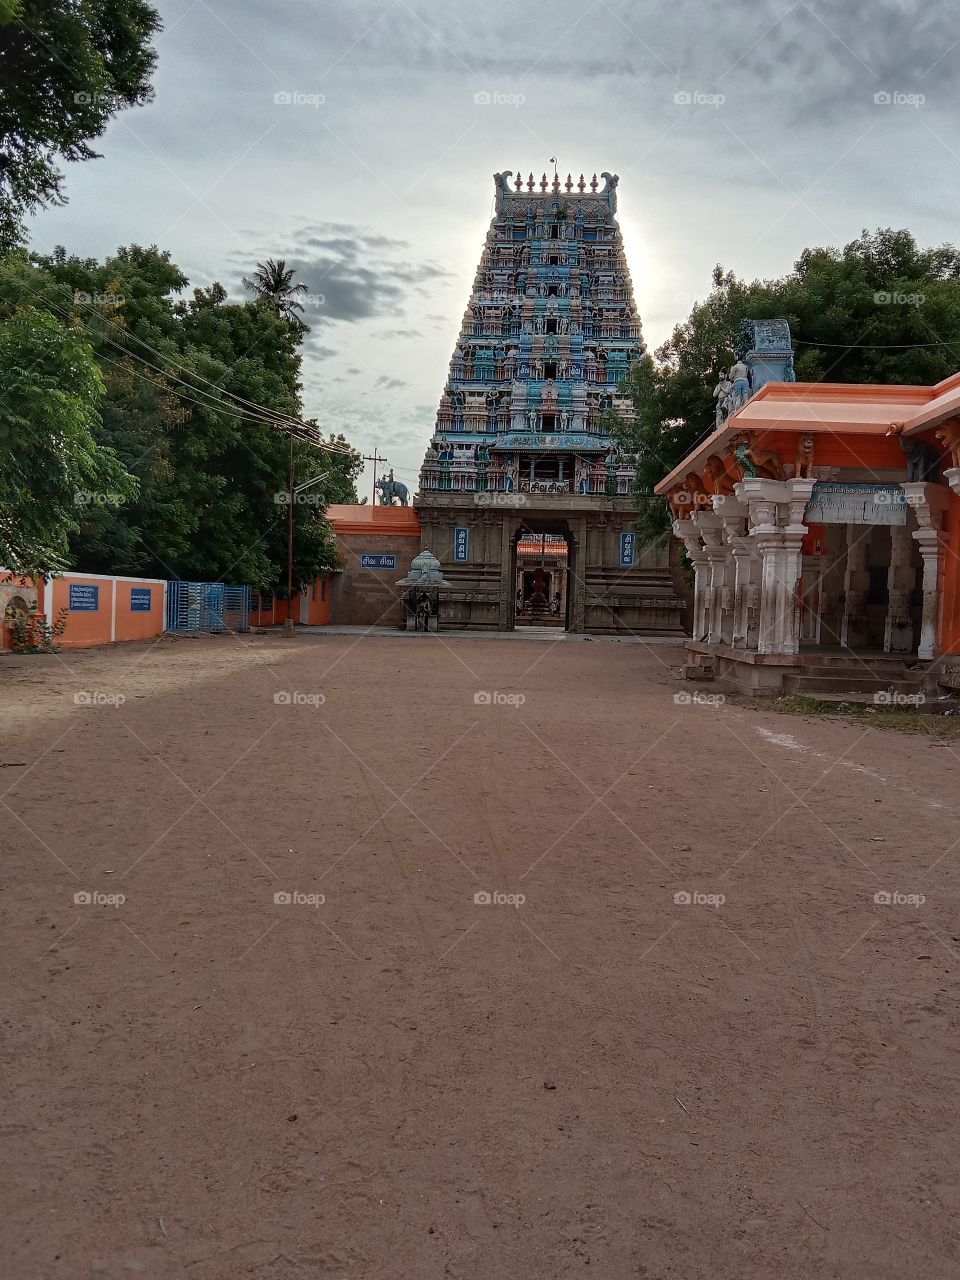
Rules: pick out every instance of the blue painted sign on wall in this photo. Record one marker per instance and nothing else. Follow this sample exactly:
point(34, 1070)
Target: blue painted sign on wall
point(371, 561)
point(140, 599)
point(461, 544)
point(84, 598)
point(628, 550)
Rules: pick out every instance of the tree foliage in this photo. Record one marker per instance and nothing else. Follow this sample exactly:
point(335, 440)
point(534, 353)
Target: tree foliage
point(66, 68)
point(882, 309)
point(51, 461)
point(180, 378)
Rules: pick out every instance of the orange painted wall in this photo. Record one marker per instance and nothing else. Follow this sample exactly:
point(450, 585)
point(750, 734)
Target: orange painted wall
point(140, 625)
point(83, 629)
point(318, 607)
point(878, 452)
point(87, 628)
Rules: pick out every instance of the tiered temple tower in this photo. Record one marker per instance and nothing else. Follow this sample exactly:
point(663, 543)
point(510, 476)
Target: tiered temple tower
point(520, 446)
point(550, 332)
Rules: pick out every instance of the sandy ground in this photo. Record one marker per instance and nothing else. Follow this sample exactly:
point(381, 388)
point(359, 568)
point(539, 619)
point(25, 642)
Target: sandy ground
point(404, 1082)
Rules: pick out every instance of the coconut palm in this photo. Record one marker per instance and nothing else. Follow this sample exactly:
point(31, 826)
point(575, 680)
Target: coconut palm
point(273, 283)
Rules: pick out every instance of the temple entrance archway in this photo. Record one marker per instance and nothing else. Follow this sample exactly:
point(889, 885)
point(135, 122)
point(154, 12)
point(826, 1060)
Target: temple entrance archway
point(542, 553)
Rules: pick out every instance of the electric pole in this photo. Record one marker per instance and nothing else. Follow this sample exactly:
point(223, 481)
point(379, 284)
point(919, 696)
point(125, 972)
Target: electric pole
point(374, 458)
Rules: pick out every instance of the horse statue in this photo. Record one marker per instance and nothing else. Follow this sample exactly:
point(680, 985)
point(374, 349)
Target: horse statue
point(388, 488)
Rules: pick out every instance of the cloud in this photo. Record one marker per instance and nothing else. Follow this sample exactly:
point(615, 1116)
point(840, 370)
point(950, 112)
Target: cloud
point(385, 383)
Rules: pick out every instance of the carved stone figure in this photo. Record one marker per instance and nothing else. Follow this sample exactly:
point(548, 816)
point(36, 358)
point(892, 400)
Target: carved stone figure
point(717, 476)
point(949, 437)
point(389, 489)
point(755, 462)
point(721, 393)
point(803, 465)
point(740, 377)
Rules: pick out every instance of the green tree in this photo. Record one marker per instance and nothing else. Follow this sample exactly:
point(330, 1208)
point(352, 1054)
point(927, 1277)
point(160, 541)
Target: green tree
point(51, 465)
point(66, 68)
point(273, 283)
point(882, 309)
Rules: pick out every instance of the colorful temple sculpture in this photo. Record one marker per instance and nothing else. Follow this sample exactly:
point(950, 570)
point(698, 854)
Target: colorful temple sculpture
point(822, 521)
point(521, 465)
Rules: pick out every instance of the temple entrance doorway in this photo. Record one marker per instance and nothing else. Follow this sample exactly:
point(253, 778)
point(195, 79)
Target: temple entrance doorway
point(542, 576)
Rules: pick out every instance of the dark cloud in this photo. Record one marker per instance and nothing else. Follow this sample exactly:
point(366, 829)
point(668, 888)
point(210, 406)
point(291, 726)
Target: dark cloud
point(384, 383)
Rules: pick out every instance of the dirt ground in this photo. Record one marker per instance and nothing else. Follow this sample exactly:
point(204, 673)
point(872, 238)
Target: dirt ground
point(207, 1081)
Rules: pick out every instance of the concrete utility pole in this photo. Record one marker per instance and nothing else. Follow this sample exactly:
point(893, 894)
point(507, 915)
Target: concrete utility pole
point(374, 458)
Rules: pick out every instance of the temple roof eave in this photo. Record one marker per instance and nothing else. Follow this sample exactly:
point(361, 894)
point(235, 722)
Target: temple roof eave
point(815, 407)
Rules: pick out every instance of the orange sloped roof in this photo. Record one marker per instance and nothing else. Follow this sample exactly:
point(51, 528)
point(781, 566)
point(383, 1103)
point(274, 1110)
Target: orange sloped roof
point(841, 408)
point(350, 518)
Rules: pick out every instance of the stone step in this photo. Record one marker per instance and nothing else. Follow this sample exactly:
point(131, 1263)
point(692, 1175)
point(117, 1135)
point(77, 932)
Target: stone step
point(850, 669)
point(814, 684)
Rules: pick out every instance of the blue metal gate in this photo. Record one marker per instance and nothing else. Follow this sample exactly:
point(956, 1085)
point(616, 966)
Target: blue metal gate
point(207, 606)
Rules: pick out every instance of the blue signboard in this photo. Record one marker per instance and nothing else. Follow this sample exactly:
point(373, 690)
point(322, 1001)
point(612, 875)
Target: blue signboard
point(84, 598)
point(371, 561)
point(140, 599)
point(628, 550)
point(461, 544)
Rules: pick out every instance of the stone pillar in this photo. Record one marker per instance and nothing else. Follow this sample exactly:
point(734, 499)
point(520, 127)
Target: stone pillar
point(898, 629)
point(776, 524)
point(687, 531)
point(736, 595)
point(508, 576)
point(710, 527)
point(578, 586)
point(856, 581)
point(929, 502)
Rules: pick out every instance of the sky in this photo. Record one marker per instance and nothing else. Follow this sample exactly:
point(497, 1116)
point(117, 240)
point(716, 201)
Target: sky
point(358, 139)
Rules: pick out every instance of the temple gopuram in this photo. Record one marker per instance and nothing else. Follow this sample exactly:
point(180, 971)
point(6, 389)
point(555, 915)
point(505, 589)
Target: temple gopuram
point(524, 498)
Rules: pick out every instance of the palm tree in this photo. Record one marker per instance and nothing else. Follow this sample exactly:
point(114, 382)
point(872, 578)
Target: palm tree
point(273, 284)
